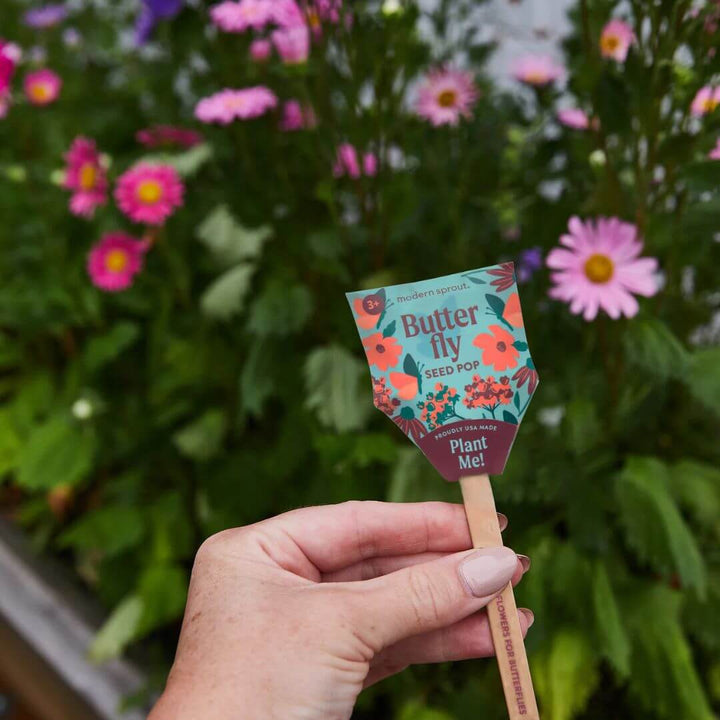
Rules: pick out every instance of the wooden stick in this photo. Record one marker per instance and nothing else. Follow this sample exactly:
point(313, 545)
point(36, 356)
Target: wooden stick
point(502, 611)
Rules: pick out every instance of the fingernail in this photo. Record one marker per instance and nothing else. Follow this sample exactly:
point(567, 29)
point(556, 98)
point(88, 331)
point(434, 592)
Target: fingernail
point(525, 562)
point(530, 616)
point(488, 571)
point(502, 521)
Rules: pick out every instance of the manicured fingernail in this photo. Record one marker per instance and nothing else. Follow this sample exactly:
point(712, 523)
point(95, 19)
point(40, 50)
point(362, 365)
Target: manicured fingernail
point(488, 571)
point(529, 615)
point(502, 521)
point(525, 562)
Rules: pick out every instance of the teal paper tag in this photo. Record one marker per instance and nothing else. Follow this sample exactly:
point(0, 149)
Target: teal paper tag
point(450, 365)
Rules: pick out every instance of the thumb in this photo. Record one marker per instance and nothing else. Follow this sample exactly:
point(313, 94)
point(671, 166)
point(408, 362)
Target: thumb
point(433, 595)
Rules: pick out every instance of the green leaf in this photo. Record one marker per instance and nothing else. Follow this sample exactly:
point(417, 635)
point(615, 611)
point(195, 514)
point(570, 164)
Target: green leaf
point(566, 675)
point(509, 417)
point(663, 675)
point(202, 438)
point(521, 346)
point(109, 529)
point(118, 631)
point(105, 348)
point(651, 345)
point(496, 304)
point(696, 486)
point(389, 329)
point(10, 442)
point(701, 617)
point(230, 241)
point(611, 635)
point(704, 377)
point(414, 479)
point(163, 590)
point(702, 176)
point(332, 377)
point(58, 452)
point(225, 297)
point(654, 526)
point(582, 424)
point(256, 380)
point(187, 163)
point(280, 310)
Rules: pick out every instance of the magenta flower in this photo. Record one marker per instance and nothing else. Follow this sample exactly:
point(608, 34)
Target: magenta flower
point(445, 96)
point(615, 40)
point(297, 117)
point(714, 154)
point(237, 17)
point(228, 105)
point(538, 70)
point(85, 176)
point(149, 194)
point(574, 118)
point(293, 44)
point(705, 101)
point(9, 57)
point(168, 136)
point(260, 49)
point(599, 268)
point(348, 163)
point(113, 263)
point(42, 87)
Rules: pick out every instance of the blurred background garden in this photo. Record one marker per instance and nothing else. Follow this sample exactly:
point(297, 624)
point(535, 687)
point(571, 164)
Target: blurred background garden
point(187, 190)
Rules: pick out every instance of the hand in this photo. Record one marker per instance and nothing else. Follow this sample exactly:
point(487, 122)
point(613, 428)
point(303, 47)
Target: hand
point(290, 618)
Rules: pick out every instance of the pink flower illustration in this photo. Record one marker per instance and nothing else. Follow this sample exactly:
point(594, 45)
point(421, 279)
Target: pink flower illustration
point(149, 194)
point(599, 268)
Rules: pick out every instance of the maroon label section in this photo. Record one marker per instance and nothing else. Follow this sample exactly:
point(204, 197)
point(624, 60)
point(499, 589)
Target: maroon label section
point(469, 447)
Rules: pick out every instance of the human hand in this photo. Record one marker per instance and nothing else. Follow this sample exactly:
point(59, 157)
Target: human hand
point(292, 617)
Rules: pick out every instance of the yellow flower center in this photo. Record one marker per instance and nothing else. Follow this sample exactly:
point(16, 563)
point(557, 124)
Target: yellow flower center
point(116, 261)
point(313, 19)
point(609, 44)
point(599, 268)
point(149, 192)
point(88, 176)
point(536, 77)
point(447, 98)
point(39, 91)
point(709, 105)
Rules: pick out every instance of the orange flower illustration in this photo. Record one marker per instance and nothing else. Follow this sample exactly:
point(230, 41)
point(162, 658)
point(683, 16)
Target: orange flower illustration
point(364, 319)
point(512, 312)
point(497, 348)
point(383, 352)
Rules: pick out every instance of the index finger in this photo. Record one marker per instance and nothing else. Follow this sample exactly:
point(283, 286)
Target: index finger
point(335, 536)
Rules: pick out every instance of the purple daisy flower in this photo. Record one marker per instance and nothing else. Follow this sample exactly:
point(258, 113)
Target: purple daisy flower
point(45, 16)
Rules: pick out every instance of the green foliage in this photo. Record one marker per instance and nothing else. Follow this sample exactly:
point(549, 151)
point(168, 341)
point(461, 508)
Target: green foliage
point(654, 526)
point(228, 384)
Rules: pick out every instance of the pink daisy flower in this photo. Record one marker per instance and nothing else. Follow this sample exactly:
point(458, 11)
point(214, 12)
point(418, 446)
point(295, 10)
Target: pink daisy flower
point(237, 17)
point(149, 194)
point(9, 58)
point(538, 70)
point(293, 44)
point(85, 176)
point(297, 117)
point(599, 268)
point(705, 101)
point(228, 105)
point(574, 118)
point(714, 154)
point(113, 263)
point(42, 87)
point(260, 49)
point(445, 96)
point(348, 163)
point(615, 40)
